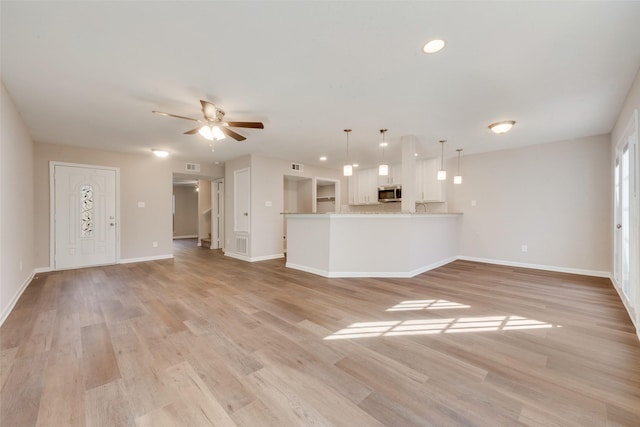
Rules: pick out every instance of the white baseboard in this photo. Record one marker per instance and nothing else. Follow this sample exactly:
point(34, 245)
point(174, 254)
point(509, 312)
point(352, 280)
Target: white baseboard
point(570, 270)
point(377, 274)
point(253, 259)
point(311, 270)
point(143, 259)
point(7, 310)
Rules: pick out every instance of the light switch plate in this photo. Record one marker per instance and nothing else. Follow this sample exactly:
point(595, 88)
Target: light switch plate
point(141, 204)
point(268, 203)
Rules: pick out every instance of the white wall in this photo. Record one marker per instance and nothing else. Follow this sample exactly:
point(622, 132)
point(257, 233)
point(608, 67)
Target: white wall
point(16, 214)
point(143, 178)
point(554, 198)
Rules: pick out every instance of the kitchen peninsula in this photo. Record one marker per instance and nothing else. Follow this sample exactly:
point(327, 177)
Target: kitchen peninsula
point(371, 245)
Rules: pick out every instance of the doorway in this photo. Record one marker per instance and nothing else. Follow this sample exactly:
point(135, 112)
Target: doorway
point(84, 215)
point(626, 250)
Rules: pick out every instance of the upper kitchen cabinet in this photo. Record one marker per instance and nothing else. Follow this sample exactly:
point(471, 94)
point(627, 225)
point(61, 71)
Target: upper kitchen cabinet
point(363, 187)
point(394, 177)
point(428, 188)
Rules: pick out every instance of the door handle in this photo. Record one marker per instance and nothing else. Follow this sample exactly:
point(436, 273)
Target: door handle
point(112, 224)
point(246, 214)
point(619, 226)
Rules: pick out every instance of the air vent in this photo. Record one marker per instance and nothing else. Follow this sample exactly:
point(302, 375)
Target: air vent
point(298, 167)
point(241, 245)
point(192, 167)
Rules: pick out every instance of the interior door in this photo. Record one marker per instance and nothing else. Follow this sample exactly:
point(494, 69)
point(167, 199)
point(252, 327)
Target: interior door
point(242, 200)
point(84, 217)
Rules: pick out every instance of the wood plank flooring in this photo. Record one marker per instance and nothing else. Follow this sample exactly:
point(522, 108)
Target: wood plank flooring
point(206, 340)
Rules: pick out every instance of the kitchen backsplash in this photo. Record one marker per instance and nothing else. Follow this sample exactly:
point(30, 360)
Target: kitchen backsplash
point(435, 207)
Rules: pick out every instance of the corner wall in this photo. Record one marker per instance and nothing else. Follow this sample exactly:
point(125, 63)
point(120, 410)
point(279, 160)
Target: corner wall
point(17, 255)
point(554, 198)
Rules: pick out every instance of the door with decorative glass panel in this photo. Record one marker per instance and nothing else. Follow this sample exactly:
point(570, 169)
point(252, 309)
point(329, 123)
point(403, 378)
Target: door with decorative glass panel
point(84, 216)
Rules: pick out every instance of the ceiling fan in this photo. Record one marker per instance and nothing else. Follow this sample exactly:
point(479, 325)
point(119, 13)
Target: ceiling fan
point(213, 126)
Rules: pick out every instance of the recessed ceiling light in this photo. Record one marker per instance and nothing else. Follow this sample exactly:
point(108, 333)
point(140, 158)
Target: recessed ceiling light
point(323, 158)
point(415, 154)
point(434, 46)
point(160, 153)
point(502, 127)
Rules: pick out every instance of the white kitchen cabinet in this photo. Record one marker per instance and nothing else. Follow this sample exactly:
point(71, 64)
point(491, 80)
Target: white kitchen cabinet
point(394, 177)
point(363, 187)
point(428, 188)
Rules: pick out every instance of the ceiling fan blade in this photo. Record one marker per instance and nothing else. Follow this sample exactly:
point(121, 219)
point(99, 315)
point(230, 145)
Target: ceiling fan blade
point(232, 134)
point(174, 115)
point(209, 110)
point(254, 125)
point(192, 131)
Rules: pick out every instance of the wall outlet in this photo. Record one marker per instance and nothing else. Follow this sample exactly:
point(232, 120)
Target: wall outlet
point(20, 265)
point(524, 248)
point(268, 203)
point(473, 203)
point(154, 244)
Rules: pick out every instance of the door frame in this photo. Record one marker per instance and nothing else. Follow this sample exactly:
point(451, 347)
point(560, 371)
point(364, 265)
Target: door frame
point(52, 201)
point(217, 208)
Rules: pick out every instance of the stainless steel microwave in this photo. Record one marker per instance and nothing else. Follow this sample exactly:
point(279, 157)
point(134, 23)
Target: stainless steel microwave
point(389, 193)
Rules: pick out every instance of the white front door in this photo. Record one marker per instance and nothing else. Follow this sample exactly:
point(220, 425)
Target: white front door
point(84, 207)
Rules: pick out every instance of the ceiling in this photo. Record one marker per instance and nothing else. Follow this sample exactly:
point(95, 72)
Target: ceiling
point(90, 73)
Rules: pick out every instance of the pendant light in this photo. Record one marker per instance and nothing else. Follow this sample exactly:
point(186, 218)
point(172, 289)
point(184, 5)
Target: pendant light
point(458, 178)
point(347, 169)
point(442, 174)
point(383, 169)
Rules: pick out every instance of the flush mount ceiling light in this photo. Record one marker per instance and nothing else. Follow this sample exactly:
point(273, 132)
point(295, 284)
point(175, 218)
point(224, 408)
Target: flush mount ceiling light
point(347, 169)
point(160, 153)
point(434, 46)
point(502, 127)
point(442, 174)
point(383, 169)
point(323, 158)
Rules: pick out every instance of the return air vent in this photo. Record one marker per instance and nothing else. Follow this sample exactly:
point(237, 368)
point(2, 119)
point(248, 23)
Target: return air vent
point(298, 167)
point(192, 167)
point(241, 245)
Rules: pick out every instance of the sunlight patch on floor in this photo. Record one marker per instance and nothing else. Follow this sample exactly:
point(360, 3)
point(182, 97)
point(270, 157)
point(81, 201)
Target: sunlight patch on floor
point(426, 304)
point(438, 326)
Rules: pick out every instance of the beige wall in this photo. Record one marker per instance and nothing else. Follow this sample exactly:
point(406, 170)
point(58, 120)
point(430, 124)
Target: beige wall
point(143, 178)
point(553, 197)
point(17, 257)
point(185, 220)
point(267, 185)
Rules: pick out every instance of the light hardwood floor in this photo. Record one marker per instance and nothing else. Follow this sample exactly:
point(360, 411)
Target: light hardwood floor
point(208, 340)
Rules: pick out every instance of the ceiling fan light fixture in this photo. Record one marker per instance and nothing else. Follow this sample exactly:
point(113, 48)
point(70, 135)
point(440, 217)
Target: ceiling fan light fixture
point(502, 127)
point(217, 133)
point(206, 133)
point(211, 133)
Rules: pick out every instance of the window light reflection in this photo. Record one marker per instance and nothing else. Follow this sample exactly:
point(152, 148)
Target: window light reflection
point(439, 326)
point(426, 304)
